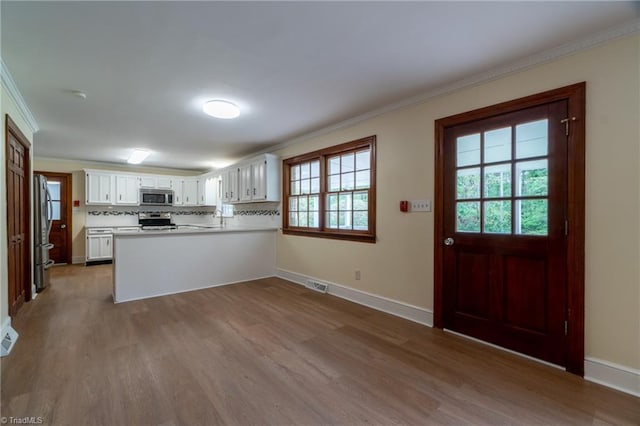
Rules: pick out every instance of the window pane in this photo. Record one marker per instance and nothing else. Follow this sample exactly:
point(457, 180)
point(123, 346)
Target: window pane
point(295, 187)
point(315, 185)
point(531, 139)
point(314, 220)
point(361, 221)
point(334, 165)
point(293, 219)
point(532, 177)
point(293, 204)
point(497, 181)
point(348, 181)
point(363, 160)
point(344, 220)
point(302, 219)
point(302, 204)
point(360, 200)
point(305, 186)
point(55, 210)
point(332, 202)
point(532, 217)
point(54, 190)
point(468, 150)
point(315, 168)
point(305, 171)
point(348, 163)
point(497, 217)
point(362, 179)
point(314, 203)
point(468, 183)
point(295, 172)
point(344, 201)
point(497, 145)
point(332, 220)
point(334, 183)
point(468, 216)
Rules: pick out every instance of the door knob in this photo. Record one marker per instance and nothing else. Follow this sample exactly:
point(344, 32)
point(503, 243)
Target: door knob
point(448, 241)
point(63, 226)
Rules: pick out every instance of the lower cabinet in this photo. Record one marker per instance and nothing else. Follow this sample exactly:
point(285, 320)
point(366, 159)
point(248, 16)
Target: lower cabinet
point(99, 247)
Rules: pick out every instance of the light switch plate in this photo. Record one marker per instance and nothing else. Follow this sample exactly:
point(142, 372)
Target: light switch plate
point(420, 205)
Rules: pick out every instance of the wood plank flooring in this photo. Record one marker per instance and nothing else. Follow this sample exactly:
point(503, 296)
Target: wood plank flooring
point(269, 352)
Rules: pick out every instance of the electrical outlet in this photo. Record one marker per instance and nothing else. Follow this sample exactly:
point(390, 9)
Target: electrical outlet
point(420, 205)
point(357, 274)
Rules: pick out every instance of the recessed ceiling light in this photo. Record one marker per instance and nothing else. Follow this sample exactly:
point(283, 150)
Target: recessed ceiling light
point(221, 109)
point(80, 94)
point(138, 156)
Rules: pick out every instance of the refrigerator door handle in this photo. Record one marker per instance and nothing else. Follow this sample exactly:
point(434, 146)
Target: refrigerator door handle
point(48, 246)
point(49, 264)
point(49, 211)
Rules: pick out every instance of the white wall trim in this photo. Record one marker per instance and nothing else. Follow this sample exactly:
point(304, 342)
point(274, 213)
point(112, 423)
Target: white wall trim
point(546, 56)
point(394, 307)
point(12, 89)
point(616, 376)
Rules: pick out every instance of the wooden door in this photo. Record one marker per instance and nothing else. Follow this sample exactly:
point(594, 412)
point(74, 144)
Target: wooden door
point(504, 229)
point(59, 185)
point(18, 214)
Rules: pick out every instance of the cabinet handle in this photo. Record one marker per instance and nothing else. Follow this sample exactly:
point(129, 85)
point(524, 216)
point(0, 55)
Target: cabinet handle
point(187, 199)
point(120, 197)
point(254, 191)
point(247, 191)
point(107, 197)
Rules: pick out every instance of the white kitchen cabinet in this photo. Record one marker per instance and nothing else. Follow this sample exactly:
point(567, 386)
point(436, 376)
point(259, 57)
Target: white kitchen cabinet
point(190, 191)
point(156, 182)
point(99, 247)
point(260, 179)
point(176, 185)
point(209, 189)
point(230, 185)
point(98, 187)
point(127, 190)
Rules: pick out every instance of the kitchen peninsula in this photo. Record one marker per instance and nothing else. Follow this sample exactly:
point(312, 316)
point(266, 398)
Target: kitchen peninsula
point(156, 263)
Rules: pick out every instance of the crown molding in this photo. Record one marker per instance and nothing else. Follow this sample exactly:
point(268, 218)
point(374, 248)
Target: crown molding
point(567, 49)
point(12, 89)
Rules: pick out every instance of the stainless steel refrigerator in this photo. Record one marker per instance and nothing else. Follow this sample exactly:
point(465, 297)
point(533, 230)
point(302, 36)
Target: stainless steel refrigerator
point(42, 220)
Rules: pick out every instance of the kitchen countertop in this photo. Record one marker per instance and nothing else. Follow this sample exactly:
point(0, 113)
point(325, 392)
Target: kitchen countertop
point(190, 229)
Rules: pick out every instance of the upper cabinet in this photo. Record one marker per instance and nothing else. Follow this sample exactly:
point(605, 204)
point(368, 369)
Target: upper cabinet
point(156, 182)
point(209, 189)
point(260, 179)
point(98, 188)
point(230, 178)
point(190, 193)
point(127, 190)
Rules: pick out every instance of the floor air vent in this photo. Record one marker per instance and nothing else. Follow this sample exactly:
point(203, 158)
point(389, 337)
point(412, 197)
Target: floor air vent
point(317, 286)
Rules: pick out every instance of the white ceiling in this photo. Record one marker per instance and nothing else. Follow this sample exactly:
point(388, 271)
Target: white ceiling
point(292, 67)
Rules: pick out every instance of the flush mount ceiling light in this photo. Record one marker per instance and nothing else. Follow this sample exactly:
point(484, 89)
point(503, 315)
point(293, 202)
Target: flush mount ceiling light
point(138, 156)
point(221, 109)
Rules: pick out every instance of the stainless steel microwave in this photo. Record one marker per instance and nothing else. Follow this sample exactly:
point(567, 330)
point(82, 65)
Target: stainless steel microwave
point(156, 197)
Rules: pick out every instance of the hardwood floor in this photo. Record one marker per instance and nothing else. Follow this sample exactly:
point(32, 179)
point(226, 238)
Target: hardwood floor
point(269, 352)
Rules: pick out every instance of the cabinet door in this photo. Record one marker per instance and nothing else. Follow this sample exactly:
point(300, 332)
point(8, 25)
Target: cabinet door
point(177, 185)
point(147, 182)
point(246, 188)
point(127, 189)
point(163, 182)
point(211, 190)
point(98, 188)
point(106, 247)
point(259, 179)
point(190, 192)
point(99, 247)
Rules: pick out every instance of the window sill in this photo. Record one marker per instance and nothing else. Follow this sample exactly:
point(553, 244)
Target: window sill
point(345, 236)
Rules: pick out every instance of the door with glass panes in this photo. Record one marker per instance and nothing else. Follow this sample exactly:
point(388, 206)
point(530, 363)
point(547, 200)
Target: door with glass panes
point(504, 211)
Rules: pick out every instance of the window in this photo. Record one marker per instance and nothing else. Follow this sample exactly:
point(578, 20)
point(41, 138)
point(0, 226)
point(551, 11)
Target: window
point(330, 193)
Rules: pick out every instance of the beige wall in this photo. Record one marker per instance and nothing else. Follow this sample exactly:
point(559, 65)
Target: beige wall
point(78, 189)
point(7, 106)
point(400, 265)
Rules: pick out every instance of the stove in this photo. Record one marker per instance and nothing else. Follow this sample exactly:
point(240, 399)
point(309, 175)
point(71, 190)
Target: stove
point(155, 221)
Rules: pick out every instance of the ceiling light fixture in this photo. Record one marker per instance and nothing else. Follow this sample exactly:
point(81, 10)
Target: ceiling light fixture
point(138, 156)
point(221, 109)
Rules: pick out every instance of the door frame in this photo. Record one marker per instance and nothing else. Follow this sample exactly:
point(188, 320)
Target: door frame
point(68, 178)
point(12, 128)
point(575, 95)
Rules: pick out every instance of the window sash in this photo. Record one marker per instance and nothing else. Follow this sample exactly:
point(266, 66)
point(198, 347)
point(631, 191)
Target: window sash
point(296, 206)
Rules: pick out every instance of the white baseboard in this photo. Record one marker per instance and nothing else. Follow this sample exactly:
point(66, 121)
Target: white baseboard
point(380, 303)
point(8, 337)
point(78, 259)
point(619, 377)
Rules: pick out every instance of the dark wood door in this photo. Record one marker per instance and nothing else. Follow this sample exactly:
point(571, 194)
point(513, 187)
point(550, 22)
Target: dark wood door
point(505, 251)
point(18, 202)
point(59, 185)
